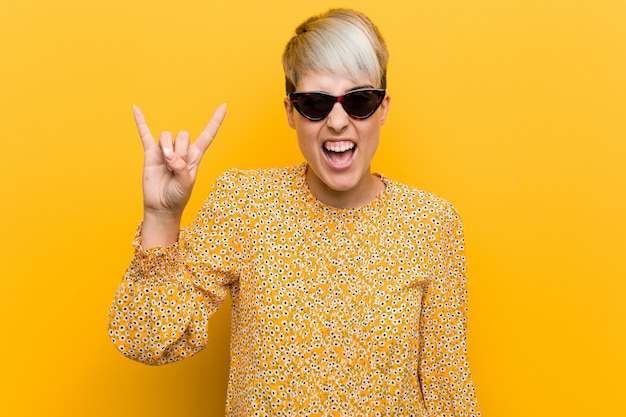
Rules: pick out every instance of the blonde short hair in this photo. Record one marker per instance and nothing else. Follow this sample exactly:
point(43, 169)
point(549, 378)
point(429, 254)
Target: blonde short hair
point(343, 42)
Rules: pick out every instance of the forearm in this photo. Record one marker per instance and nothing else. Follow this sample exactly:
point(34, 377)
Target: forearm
point(160, 314)
point(155, 306)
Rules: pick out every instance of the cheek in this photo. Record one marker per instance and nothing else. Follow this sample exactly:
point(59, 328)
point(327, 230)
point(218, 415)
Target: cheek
point(305, 130)
point(370, 129)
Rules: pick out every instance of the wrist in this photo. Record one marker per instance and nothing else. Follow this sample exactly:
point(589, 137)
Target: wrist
point(164, 217)
point(159, 229)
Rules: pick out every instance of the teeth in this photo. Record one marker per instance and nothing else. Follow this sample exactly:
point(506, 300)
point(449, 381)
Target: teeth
point(338, 146)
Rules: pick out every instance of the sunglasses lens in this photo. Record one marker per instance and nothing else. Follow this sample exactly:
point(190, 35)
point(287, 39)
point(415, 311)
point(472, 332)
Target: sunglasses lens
point(314, 105)
point(361, 104)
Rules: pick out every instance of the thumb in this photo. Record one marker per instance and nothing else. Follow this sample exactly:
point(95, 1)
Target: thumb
point(178, 166)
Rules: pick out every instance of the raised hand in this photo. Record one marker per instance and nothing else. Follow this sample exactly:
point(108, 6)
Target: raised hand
point(169, 174)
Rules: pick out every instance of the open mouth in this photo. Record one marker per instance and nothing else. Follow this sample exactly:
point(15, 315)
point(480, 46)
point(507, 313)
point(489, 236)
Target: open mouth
point(339, 153)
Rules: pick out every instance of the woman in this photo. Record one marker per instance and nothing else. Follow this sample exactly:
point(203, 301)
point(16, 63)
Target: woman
point(348, 288)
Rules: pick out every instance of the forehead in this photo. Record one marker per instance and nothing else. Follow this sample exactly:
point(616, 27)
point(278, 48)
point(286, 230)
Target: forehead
point(331, 83)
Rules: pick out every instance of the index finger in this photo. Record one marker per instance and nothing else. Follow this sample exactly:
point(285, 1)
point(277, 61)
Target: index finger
point(210, 131)
point(142, 127)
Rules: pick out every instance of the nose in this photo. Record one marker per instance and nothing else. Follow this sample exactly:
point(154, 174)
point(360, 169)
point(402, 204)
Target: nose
point(337, 119)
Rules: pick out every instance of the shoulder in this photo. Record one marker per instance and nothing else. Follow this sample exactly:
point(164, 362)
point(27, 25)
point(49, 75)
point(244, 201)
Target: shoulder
point(261, 176)
point(419, 203)
point(434, 217)
point(256, 182)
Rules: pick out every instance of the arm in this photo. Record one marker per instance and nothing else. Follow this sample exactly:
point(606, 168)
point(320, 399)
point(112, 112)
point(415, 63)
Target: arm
point(160, 311)
point(444, 370)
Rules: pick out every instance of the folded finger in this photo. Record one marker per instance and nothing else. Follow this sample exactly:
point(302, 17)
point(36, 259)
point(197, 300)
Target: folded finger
point(181, 144)
point(174, 162)
point(165, 140)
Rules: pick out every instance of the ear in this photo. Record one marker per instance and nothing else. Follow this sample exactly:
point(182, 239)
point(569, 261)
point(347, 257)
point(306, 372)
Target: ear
point(289, 110)
point(384, 109)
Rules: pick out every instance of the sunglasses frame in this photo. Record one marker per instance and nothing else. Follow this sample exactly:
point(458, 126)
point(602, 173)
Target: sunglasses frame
point(379, 92)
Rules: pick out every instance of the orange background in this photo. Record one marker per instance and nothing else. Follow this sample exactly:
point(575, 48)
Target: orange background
point(513, 110)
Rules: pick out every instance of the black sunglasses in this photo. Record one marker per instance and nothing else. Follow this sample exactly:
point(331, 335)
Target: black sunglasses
point(359, 104)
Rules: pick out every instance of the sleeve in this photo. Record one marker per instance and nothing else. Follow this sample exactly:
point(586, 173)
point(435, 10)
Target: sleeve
point(162, 307)
point(444, 372)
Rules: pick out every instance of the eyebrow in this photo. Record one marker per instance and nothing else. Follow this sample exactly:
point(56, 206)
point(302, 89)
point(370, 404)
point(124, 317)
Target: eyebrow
point(359, 87)
point(345, 91)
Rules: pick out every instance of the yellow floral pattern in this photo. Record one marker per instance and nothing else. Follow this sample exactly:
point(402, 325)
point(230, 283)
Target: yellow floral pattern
point(342, 312)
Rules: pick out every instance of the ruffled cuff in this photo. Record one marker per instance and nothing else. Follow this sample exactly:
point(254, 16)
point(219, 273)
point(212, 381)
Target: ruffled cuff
point(158, 264)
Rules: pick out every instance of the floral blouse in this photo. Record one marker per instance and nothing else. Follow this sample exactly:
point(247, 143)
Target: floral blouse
point(342, 312)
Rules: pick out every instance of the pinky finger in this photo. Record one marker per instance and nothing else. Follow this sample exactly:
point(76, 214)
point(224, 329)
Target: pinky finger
point(210, 131)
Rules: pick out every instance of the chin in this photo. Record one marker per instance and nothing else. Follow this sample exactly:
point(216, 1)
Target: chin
point(342, 182)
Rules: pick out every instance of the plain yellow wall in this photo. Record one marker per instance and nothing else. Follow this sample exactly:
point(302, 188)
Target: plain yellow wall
point(513, 110)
